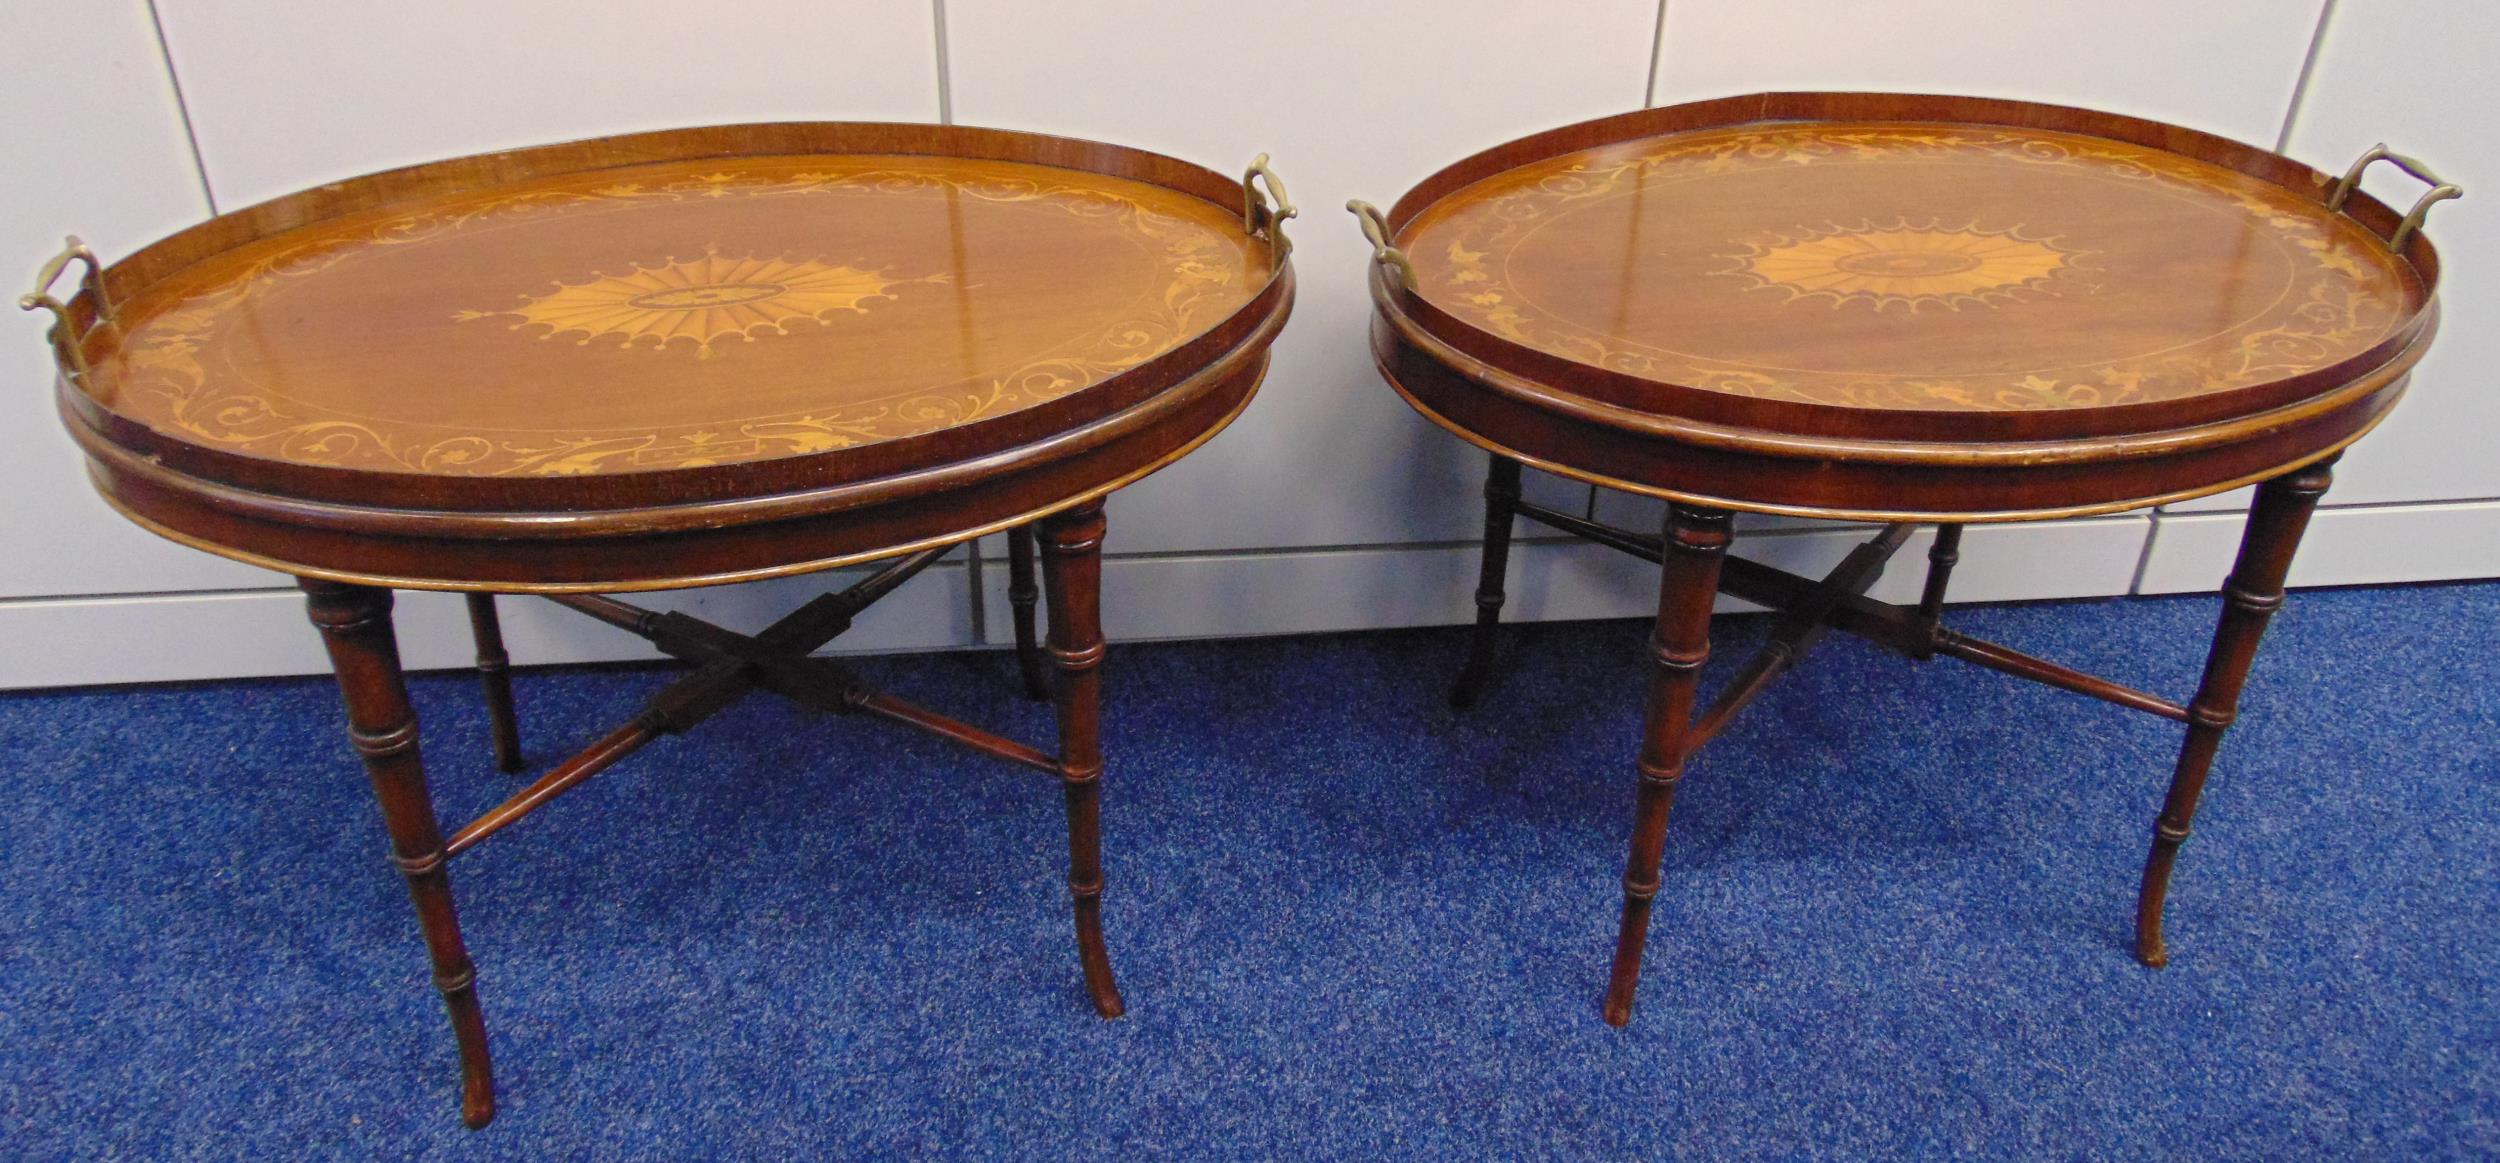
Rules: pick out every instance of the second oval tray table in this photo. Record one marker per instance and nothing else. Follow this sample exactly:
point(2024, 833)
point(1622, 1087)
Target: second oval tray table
point(679, 359)
point(1896, 309)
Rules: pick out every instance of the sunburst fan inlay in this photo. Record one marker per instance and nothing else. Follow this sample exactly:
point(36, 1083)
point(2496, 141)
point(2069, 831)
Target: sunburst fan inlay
point(705, 300)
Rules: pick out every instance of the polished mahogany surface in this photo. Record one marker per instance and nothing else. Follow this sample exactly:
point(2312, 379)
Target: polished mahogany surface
point(1911, 266)
point(690, 357)
point(676, 315)
point(1903, 308)
point(1881, 306)
point(676, 358)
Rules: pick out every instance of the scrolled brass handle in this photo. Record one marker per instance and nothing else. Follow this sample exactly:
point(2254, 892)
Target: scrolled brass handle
point(1274, 206)
point(1384, 252)
point(65, 337)
point(2441, 190)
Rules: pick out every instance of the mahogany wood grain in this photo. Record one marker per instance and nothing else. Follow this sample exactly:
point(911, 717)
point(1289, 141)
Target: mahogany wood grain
point(2250, 596)
point(355, 625)
point(1501, 502)
point(670, 359)
point(1798, 628)
point(708, 300)
point(1942, 555)
point(1980, 652)
point(494, 676)
point(1897, 308)
point(1696, 543)
point(1072, 564)
point(541, 371)
point(1023, 593)
point(1913, 280)
point(892, 709)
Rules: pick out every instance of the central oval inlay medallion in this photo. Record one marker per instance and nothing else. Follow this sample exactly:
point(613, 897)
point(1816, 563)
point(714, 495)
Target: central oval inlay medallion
point(689, 298)
point(1900, 263)
point(704, 300)
point(1906, 264)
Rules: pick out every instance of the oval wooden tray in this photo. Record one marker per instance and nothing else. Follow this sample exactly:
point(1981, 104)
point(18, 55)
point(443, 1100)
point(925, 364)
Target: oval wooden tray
point(1897, 280)
point(675, 331)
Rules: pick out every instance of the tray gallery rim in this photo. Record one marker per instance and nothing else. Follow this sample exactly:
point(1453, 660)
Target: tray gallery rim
point(1844, 431)
point(100, 426)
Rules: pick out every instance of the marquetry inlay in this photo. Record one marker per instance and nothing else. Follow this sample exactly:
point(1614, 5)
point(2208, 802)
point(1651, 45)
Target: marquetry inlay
point(678, 315)
point(688, 306)
point(1905, 265)
point(1901, 265)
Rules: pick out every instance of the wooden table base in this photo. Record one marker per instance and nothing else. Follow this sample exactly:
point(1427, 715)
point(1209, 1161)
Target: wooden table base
point(355, 623)
point(1695, 567)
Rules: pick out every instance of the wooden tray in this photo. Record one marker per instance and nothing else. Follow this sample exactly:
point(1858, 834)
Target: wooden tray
point(516, 370)
point(1885, 305)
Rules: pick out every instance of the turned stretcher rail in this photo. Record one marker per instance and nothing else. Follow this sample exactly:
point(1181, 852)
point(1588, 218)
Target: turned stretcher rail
point(624, 616)
point(2041, 670)
point(894, 710)
point(728, 665)
point(1646, 548)
point(1899, 628)
point(1800, 627)
point(598, 757)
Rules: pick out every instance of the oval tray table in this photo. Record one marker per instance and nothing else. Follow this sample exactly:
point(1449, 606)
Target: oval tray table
point(679, 359)
point(1898, 309)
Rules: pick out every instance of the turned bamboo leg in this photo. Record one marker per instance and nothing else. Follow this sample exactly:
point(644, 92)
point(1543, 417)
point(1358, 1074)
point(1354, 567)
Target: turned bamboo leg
point(1021, 595)
point(1941, 558)
point(1072, 559)
point(1696, 543)
point(494, 676)
point(2250, 597)
point(1501, 496)
point(355, 624)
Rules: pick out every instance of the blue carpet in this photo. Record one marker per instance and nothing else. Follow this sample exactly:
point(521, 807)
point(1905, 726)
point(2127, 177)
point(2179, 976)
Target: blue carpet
point(1349, 923)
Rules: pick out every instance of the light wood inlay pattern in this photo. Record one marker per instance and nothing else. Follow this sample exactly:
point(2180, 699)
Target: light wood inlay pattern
point(1905, 308)
point(677, 315)
point(1908, 265)
point(688, 357)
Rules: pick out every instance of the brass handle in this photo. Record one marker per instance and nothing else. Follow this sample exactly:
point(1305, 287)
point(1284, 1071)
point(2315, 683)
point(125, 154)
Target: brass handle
point(1376, 228)
point(1274, 207)
point(65, 348)
point(2441, 190)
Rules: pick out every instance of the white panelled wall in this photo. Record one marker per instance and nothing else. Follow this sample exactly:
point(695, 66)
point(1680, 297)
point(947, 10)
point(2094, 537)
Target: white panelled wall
point(2420, 498)
point(1329, 506)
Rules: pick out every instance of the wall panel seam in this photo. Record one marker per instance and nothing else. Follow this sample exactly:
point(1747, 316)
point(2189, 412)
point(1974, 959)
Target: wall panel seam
point(2144, 552)
point(182, 107)
point(945, 71)
point(2300, 84)
point(26, 600)
point(1657, 53)
point(2349, 507)
point(1751, 535)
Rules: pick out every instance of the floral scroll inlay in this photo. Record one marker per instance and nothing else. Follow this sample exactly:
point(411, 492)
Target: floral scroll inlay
point(2345, 292)
point(704, 301)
